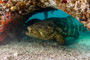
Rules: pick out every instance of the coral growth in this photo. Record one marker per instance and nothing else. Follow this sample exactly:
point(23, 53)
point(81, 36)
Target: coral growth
point(80, 9)
point(23, 7)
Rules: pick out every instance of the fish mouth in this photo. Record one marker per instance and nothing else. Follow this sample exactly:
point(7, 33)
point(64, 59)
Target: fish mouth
point(29, 29)
point(31, 33)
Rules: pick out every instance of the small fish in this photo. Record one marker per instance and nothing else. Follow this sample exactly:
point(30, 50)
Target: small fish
point(55, 28)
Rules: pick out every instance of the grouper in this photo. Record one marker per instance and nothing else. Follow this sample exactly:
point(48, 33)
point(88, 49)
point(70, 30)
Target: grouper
point(55, 28)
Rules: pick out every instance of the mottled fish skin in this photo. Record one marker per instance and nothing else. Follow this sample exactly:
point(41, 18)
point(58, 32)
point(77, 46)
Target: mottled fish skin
point(55, 28)
point(68, 27)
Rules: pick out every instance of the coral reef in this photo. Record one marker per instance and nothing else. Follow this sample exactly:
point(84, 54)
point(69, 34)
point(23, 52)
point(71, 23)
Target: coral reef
point(23, 7)
point(80, 9)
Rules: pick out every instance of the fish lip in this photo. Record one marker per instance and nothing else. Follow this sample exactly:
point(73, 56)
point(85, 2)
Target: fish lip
point(29, 29)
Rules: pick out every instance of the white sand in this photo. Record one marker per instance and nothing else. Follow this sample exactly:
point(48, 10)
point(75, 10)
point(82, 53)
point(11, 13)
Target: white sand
point(45, 50)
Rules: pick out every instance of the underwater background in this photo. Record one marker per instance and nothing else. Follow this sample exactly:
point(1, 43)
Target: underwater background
point(84, 37)
point(36, 49)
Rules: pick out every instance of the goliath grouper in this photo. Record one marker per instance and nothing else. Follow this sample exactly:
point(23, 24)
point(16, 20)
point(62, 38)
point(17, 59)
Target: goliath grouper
point(55, 28)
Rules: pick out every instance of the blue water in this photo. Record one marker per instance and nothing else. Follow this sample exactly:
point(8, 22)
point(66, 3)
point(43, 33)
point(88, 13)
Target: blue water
point(84, 38)
point(58, 13)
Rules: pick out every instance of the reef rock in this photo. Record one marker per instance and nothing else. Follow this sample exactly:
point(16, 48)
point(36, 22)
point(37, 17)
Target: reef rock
point(79, 9)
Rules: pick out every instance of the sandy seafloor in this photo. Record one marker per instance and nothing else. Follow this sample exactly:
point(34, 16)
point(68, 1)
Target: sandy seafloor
point(35, 49)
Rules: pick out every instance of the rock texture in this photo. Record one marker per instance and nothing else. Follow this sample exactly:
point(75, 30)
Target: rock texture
point(80, 9)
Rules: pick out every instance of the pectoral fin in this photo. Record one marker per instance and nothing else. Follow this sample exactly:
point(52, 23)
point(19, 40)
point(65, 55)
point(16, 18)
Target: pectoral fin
point(60, 39)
